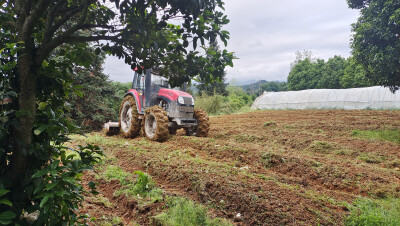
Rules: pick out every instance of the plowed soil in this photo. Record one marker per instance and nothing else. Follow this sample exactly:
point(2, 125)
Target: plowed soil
point(292, 167)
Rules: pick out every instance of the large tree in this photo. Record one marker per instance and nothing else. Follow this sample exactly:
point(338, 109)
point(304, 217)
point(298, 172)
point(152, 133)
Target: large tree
point(42, 39)
point(376, 43)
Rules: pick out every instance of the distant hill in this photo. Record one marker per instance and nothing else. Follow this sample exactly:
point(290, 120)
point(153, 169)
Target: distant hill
point(253, 88)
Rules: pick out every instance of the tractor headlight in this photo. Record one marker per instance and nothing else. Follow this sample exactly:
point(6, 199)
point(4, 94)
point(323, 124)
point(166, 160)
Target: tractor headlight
point(192, 102)
point(181, 100)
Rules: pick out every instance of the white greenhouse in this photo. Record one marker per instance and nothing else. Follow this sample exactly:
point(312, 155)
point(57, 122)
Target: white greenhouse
point(375, 97)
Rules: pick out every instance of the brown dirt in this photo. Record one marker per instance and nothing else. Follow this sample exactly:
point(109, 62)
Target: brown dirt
point(272, 167)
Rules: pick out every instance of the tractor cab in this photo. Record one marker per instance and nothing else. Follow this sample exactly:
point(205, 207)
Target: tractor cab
point(147, 86)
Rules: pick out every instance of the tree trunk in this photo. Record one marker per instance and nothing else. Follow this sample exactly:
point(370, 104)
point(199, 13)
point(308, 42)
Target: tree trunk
point(18, 167)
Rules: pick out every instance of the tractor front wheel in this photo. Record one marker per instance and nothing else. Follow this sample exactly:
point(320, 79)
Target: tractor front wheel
point(156, 124)
point(129, 122)
point(203, 124)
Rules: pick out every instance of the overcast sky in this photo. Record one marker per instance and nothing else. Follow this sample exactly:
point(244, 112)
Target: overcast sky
point(265, 34)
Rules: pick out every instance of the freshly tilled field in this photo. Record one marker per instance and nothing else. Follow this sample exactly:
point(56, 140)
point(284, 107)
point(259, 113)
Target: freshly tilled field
point(261, 168)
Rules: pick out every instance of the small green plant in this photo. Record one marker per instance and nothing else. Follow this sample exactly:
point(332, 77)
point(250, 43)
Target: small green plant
point(270, 123)
point(374, 212)
point(144, 187)
point(269, 159)
point(320, 146)
point(116, 173)
point(185, 212)
point(391, 135)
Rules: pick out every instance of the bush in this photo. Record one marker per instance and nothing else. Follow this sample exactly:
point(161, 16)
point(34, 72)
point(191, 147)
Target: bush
point(236, 101)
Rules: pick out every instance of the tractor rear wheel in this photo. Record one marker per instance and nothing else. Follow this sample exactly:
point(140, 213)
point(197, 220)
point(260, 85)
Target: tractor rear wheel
point(203, 124)
point(129, 122)
point(156, 124)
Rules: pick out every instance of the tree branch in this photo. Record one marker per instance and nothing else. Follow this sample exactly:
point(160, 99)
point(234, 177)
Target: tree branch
point(49, 32)
point(46, 49)
point(30, 21)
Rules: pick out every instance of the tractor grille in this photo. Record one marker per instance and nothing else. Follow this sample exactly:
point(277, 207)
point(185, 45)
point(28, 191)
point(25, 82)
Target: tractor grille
point(187, 100)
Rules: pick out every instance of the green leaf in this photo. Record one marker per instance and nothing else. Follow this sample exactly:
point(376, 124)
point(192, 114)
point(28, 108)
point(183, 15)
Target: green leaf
point(44, 200)
point(78, 93)
point(50, 186)
point(5, 222)
point(7, 215)
point(40, 129)
point(97, 51)
point(45, 64)
point(40, 173)
point(3, 191)
point(6, 202)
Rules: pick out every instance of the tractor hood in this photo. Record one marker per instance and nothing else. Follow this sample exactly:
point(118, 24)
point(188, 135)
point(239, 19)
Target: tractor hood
point(172, 94)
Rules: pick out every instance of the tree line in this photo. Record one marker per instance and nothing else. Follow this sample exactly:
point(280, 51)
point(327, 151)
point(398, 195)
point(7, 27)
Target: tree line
point(336, 73)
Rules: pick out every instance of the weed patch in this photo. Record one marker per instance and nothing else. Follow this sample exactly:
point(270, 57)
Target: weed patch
point(185, 212)
point(371, 158)
point(375, 212)
point(391, 135)
point(269, 124)
point(270, 160)
point(144, 187)
point(116, 173)
point(321, 147)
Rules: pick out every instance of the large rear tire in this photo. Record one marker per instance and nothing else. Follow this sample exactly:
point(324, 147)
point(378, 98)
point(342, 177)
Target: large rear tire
point(129, 122)
point(156, 124)
point(203, 124)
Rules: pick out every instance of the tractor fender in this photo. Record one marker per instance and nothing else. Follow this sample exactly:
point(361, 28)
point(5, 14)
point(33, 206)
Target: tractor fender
point(135, 95)
point(168, 100)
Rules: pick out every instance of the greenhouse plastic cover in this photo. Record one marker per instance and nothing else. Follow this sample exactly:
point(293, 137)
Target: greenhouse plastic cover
point(375, 97)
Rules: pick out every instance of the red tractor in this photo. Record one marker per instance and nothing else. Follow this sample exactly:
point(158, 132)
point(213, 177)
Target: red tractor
point(156, 109)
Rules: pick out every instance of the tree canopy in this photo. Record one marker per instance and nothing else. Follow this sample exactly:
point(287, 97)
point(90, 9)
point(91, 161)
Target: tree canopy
point(336, 73)
point(375, 41)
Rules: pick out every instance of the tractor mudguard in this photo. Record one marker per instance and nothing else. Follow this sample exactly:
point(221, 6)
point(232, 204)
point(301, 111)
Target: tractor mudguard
point(138, 101)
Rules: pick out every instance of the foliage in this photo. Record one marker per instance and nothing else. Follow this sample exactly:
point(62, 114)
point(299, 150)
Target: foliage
point(95, 101)
point(236, 101)
point(259, 87)
point(333, 70)
point(305, 75)
point(336, 73)
point(43, 42)
point(374, 212)
point(57, 188)
point(375, 41)
point(354, 75)
point(216, 87)
point(6, 216)
point(274, 86)
point(392, 135)
point(185, 212)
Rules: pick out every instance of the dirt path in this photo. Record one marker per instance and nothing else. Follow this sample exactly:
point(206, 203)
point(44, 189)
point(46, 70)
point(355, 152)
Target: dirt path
point(271, 167)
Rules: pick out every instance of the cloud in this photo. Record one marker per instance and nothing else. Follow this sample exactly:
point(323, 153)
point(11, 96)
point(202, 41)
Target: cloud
point(265, 34)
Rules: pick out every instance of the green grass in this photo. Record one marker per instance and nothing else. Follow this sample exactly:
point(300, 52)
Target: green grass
point(116, 173)
point(182, 211)
point(144, 187)
point(321, 147)
point(391, 135)
point(375, 212)
point(269, 123)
